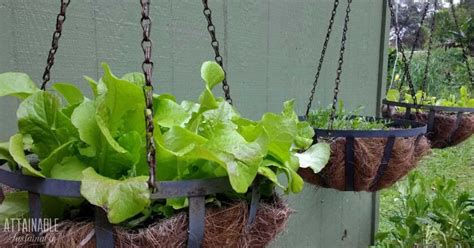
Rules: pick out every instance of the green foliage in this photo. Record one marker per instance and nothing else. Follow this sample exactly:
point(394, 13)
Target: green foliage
point(15, 205)
point(446, 31)
point(447, 72)
point(17, 84)
point(429, 213)
point(101, 141)
point(463, 100)
point(123, 199)
point(409, 18)
point(316, 163)
point(344, 120)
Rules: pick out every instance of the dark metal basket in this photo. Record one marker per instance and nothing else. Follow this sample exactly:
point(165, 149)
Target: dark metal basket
point(406, 129)
point(194, 190)
point(431, 120)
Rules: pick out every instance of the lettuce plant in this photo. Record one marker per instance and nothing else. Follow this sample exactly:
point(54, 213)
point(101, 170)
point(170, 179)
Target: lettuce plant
point(344, 119)
point(101, 141)
point(462, 100)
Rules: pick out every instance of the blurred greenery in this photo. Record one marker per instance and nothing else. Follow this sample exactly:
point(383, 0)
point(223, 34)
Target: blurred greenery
point(446, 33)
point(447, 71)
point(434, 205)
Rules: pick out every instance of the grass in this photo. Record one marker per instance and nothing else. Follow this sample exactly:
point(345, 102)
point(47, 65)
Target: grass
point(455, 162)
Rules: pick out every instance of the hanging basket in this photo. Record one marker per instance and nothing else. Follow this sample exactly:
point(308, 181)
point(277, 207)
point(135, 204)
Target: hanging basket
point(237, 224)
point(446, 126)
point(234, 225)
point(369, 160)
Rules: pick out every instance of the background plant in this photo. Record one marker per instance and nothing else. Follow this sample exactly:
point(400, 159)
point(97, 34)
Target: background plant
point(430, 214)
point(344, 120)
point(446, 74)
point(434, 205)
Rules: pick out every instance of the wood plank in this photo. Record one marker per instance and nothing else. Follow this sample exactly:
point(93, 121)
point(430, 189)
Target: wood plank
point(8, 60)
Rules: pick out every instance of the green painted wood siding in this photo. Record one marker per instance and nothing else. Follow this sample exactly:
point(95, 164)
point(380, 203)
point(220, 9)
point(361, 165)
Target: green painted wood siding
point(270, 50)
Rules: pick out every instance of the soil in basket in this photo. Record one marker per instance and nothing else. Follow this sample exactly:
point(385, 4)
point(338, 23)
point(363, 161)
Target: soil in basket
point(368, 154)
point(224, 227)
point(445, 124)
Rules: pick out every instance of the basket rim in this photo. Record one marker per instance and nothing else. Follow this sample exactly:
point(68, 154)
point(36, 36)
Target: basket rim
point(69, 188)
point(428, 107)
point(416, 129)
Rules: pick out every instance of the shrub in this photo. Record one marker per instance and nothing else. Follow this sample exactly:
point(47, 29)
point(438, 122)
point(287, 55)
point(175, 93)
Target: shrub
point(429, 214)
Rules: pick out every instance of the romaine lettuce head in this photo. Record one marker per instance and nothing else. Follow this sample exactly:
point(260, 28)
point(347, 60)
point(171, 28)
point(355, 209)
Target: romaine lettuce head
point(101, 140)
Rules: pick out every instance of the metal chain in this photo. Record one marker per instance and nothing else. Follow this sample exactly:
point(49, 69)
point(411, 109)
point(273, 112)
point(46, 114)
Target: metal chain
point(323, 53)
point(428, 55)
point(402, 51)
point(215, 45)
point(61, 17)
point(147, 67)
point(465, 52)
point(340, 62)
point(417, 38)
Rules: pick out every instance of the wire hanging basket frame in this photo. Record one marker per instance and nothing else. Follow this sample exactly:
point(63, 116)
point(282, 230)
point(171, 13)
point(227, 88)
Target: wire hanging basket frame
point(446, 125)
point(194, 190)
point(400, 129)
point(459, 129)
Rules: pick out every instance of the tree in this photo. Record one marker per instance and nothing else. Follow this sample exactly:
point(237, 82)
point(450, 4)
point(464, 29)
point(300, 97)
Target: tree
point(447, 34)
point(409, 18)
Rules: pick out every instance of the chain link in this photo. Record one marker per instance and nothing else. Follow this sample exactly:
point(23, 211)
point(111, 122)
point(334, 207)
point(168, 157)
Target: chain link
point(340, 62)
point(424, 82)
point(61, 17)
point(147, 67)
point(215, 45)
point(465, 52)
point(321, 59)
point(417, 38)
point(402, 51)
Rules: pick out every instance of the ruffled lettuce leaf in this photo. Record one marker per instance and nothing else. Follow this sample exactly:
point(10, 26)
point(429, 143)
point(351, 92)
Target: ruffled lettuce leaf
point(316, 157)
point(101, 141)
point(17, 84)
point(122, 199)
point(40, 117)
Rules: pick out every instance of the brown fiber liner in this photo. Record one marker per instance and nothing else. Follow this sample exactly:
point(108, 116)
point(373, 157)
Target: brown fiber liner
point(368, 154)
point(225, 227)
point(444, 126)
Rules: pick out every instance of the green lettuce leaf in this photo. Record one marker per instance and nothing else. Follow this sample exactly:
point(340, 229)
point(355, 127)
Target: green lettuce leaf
point(120, 199)
point(119, 107)
point(56, 157)
point(70, 168)
point(40, 116)
point(15, 205)
point(18, 154)
point(6, 156)
point(17, 84)
point(168, 113)
point(70, 92)
point(212, 73)
point(316, 157)
point(87, 127)
point(93, 84)
point(135, 77)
